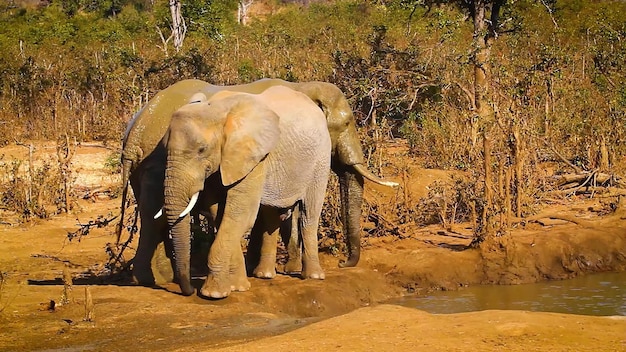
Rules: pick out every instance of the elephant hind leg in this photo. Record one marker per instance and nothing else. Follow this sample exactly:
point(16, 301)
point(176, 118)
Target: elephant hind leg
point(255, 242)
point(311, 268)
point(291, 236)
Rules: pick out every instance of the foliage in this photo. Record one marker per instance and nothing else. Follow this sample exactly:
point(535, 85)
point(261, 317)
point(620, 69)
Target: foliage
point(82, 68)
point(113, 163)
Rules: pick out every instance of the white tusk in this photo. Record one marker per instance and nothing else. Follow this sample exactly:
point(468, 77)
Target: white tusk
point(390, 184)
point(190, 206)
point(158, 214)
point(370, 176)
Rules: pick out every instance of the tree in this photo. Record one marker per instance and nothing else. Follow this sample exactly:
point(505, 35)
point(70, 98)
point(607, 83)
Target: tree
point(179, 29)
point(242, 11)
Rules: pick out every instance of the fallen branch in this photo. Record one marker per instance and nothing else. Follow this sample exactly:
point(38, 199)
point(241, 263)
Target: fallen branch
point(604, 191)
point(577, 169)
point(584, 178)
point(84, 229)
point(556, 216)
point(115, 259)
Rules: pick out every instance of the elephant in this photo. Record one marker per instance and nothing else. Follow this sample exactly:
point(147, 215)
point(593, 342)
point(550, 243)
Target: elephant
point(143, 162)
point(243, 150)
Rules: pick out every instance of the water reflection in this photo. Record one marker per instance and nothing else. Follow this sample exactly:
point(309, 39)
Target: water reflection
point(598, 294)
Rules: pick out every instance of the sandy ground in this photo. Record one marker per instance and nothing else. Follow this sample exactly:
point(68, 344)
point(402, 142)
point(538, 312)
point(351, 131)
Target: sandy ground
point(345, 311)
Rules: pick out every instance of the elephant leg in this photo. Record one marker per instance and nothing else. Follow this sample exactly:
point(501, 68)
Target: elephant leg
point(310, 210)
point(142, 263)
point(291, 236)
point(238, 278)
point(266, 269)
point(351, 190)
point(150, 235)
point(311, 268)
point(255, 243)
point(240, 212)
point(162, 264)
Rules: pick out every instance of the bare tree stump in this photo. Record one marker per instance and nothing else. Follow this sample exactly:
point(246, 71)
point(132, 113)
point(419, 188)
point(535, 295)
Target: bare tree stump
point(89, 307)
point(66, 297)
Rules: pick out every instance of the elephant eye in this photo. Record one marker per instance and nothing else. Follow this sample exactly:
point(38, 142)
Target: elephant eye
point(201, 150)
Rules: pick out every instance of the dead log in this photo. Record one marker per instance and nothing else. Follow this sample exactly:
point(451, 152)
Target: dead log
point(584, 178)
point(605, 191)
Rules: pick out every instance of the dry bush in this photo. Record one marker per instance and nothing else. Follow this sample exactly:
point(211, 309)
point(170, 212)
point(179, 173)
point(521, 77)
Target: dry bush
point(28, 192)
point(38, 188)
point(448, 203)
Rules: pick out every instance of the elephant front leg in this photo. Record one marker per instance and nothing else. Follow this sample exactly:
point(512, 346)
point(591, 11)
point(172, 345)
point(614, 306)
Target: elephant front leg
point(238, 278)
point(152, 232)
point(240, 211)
point(270, 219)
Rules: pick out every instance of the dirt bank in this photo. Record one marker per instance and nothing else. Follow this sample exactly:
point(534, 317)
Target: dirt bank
point(291, 314)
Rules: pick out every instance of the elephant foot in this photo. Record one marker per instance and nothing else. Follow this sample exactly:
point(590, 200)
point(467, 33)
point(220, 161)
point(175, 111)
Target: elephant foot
point(240, 285)
point(265, 271)
point(293, 266)
point(315, 272)
point(215, 287)
point(142, 278)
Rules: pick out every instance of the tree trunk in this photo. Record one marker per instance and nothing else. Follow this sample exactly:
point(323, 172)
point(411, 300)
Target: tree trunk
point(485, 31)
point(242, 11)
point(179, 29)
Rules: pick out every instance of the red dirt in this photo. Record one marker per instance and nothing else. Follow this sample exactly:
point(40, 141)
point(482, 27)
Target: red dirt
point(292, 314)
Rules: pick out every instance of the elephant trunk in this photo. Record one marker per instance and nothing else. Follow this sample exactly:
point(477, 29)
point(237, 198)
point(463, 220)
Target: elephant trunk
point(348, 164)
point(351, 188)
point(177, 197)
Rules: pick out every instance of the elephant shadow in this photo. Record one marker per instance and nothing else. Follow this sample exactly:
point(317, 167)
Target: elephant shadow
point(121, 279)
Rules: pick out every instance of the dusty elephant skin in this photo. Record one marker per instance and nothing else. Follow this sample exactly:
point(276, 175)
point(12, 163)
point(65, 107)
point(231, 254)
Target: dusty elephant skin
point(143, 162)
point(271, 149)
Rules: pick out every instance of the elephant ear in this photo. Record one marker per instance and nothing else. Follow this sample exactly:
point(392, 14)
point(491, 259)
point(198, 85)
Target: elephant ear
point(251, 131)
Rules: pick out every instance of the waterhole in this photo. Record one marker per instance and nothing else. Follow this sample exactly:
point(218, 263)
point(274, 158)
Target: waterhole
point(597, 294)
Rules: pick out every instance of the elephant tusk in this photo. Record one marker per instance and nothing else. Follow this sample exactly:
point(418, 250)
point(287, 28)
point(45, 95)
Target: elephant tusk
point(158, 214)
point(370, 176)
point(190, 206)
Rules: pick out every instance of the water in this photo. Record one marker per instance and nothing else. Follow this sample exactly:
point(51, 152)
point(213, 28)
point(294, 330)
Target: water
point(597, 294)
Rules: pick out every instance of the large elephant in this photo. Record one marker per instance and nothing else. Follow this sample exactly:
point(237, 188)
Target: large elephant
point(244, 150)
point(143, 159)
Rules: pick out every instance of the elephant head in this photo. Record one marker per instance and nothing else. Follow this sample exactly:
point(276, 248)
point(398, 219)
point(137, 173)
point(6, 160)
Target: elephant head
point(225, 138)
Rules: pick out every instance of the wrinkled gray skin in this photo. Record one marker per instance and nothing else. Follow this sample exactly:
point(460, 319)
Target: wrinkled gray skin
point(143, 166)
point(244, 150)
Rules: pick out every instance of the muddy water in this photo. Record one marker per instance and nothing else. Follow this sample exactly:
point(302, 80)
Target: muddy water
point(598, 294)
